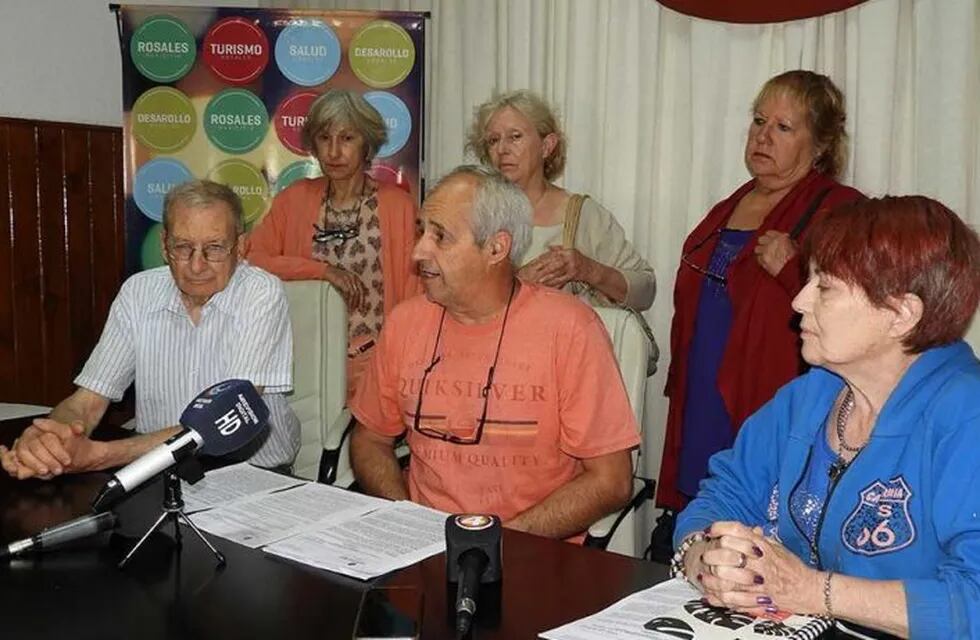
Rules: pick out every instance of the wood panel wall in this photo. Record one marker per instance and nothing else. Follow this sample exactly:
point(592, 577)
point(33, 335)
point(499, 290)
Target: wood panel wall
point(61, 251)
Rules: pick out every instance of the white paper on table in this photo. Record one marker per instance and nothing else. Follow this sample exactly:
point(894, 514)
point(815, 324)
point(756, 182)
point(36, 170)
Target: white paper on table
point(675, 608)
point(229, 484)
point(260, 520)
point(395, 536)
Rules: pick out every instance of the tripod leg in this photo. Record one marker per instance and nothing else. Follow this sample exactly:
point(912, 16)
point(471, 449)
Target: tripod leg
point(178, 541)
point(156, 525)
point(218, 554)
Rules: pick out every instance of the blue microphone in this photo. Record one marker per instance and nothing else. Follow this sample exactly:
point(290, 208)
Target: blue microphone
point(221, 419)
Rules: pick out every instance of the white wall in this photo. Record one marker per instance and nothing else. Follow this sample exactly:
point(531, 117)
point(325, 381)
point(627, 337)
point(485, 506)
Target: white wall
point(59, 59)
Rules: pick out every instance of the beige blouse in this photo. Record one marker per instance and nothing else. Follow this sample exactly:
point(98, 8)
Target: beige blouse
point(600, 238)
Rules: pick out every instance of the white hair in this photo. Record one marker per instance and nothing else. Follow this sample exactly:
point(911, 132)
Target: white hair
point(498, 205)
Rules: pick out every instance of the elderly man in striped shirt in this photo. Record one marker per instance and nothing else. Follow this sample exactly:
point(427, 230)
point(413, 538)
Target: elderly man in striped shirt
point(174, 331)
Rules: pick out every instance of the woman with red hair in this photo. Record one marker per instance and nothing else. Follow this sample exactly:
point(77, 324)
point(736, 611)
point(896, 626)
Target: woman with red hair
point(854, 492)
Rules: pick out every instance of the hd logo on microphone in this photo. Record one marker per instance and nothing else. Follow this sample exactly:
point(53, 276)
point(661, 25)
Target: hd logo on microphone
point(228, 423)
point(232, 421)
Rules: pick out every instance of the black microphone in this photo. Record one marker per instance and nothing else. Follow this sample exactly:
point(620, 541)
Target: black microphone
point(223, 418)
point(472, 558)
point(60, 534)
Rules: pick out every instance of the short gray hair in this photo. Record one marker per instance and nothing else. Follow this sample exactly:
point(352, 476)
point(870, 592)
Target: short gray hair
point(203, 193)
point(498, 205)
point(346, 107)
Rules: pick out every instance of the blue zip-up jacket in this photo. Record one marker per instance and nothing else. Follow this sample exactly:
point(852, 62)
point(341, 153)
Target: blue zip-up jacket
point(908, 506)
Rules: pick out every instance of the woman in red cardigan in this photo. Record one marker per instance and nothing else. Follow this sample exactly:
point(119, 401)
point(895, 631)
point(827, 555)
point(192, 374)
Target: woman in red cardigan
point(734, 339)
point(345, 228)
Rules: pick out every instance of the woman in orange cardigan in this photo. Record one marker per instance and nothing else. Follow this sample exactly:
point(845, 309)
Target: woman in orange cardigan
point(345, 227)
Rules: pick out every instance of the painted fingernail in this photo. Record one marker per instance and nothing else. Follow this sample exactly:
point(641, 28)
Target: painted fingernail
point(707, 530)
point(700, 578)
point(757, 551)
point(759, 580)
point(764, 600)
point(772, 609)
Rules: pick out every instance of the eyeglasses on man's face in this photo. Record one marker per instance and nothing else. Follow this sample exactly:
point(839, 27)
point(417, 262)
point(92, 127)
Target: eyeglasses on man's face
point(212, 252)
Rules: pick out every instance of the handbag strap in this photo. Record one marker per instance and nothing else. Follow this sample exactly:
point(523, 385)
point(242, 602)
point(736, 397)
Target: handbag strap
point(812, 209)
point(573, 211)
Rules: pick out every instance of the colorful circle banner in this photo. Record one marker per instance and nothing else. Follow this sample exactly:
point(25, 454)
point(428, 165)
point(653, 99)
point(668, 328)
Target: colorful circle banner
point(223, 94)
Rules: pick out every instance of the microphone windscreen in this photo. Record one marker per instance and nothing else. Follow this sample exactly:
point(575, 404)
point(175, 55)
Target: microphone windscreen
point(473, 531)
point(227, 415)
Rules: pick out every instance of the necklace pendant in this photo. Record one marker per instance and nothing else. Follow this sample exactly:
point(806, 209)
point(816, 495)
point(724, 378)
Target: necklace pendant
point(837, 469)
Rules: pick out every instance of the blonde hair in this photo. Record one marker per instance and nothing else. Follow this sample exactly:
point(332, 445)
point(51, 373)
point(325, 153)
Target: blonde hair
point(346, 107)
point(536, 110)
point(825, 111)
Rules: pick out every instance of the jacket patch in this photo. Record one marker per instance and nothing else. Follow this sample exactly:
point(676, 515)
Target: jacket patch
point(881, 522)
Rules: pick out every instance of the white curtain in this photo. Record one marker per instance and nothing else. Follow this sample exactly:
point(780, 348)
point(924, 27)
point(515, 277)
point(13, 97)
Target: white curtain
point(656, 106)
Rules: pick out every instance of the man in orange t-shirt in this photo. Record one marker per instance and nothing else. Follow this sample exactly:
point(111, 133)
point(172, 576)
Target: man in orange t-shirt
point(547, 447)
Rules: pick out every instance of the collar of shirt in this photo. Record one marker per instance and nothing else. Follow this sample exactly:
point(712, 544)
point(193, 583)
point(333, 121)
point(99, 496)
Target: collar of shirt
point(222, 301)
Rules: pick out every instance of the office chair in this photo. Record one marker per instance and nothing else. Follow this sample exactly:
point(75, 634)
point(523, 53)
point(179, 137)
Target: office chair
point(319, 397)
point(616, 532)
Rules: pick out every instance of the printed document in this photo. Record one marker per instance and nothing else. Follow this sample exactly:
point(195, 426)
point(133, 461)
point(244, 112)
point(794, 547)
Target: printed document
point(228, 484)
point(261, 519)
point(394, 536)
point(673, 609)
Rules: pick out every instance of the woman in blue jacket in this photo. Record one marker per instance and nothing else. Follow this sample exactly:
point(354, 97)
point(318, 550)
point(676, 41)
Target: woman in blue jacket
point(855, 492)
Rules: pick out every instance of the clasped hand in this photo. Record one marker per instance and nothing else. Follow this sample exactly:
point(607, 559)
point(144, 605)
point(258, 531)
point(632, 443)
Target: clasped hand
point(739, 568)
point(49, 448)
point(557, 267)
point(774, 250)
point(351, 287)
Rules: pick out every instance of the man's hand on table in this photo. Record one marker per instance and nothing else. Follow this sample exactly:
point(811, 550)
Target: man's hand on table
point(50, 448)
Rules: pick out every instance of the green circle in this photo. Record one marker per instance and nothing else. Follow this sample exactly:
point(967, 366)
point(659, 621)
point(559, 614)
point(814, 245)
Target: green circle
point(163, 49)
point(245, 180)
point(236, 121)
point(296, 171)
point(151, 255)
point(381, 54)
point(164, 119)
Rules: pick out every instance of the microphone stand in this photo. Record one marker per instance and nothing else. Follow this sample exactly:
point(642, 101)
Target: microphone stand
point(173, 511)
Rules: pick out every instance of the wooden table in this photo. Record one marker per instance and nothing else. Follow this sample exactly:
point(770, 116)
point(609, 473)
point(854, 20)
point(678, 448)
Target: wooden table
point(79, 592)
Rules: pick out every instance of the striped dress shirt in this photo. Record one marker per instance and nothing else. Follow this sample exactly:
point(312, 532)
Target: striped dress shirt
point(244, 332)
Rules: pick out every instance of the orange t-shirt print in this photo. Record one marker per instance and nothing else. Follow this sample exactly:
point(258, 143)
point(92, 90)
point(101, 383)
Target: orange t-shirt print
point(557, 397)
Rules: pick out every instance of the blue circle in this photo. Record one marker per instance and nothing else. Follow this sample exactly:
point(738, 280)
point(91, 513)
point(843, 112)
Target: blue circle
point(152, 182)
point(308, 53)
point(397, 119)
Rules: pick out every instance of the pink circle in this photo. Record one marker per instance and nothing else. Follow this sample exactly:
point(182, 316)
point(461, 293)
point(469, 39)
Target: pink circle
point(289, 119)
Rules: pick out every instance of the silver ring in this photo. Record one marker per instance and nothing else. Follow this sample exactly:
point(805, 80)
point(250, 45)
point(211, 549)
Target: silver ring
point(741, 562)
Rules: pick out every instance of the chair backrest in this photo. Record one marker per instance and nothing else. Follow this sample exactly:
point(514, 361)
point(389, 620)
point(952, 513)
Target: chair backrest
point(632, 349)
point(319, 318)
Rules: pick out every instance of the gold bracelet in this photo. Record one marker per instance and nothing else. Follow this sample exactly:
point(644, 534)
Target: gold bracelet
point(826, 594)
